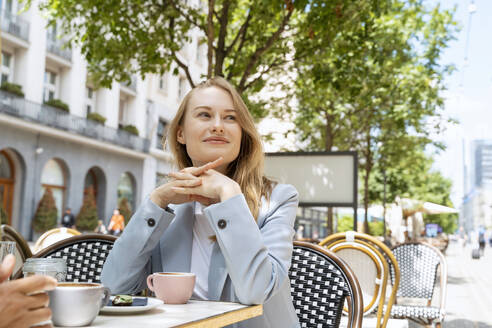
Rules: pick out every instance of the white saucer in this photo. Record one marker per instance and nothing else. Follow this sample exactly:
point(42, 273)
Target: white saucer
point(151, 303)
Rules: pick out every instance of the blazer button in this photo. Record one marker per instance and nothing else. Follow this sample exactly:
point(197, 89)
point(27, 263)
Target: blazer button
point(222, 223)
point(151, 222)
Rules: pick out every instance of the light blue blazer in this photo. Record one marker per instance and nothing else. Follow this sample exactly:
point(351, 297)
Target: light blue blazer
point(250, 260)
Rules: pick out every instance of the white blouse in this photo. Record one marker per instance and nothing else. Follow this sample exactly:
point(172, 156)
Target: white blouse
point(201, 252)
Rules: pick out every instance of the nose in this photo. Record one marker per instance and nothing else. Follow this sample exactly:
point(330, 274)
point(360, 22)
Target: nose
point(218, 125)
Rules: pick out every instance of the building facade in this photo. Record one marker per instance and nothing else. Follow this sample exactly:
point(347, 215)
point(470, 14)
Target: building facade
point(477, 202)
point(43, 146)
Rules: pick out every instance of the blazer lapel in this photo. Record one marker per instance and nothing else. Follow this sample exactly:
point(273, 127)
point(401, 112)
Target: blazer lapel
point(217, 274)
point(176, 243)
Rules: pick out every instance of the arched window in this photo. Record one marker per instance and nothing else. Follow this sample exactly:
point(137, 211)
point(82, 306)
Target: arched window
point(7, 181)
point(126, 188)
point(53, 177)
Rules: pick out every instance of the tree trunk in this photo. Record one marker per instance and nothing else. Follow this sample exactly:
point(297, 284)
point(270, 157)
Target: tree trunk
point(366, 199)
point(367, 168)
point(210, 37)
point(329, 221)
point(328, 147)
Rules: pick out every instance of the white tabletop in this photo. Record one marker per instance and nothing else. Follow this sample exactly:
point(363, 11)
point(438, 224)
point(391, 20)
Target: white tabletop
point(193, 314)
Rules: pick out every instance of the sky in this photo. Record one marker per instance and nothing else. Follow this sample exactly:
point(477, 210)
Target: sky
point(468, 97)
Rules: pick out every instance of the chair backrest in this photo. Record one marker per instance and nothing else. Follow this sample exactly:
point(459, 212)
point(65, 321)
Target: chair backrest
point(52, 236)
point(370, 268)
point(418, 264)
point(22, 251)
point(320, 283)
point(370, 250)
point(85, 255)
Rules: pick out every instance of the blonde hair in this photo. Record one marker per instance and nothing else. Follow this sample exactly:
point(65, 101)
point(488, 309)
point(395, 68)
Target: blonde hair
point(247, 168)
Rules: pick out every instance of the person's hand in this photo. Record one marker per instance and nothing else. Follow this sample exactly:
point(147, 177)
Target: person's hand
point(23, 302)
point(215, 187)
point(187, 177)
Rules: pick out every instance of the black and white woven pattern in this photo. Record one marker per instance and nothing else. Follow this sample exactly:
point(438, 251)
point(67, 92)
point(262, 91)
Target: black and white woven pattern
point(418, 270)
point(427, 313)
point(318, 288)
point(85, 259)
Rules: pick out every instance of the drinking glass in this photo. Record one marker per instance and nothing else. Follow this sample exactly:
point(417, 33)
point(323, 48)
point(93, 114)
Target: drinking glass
point(53, 267)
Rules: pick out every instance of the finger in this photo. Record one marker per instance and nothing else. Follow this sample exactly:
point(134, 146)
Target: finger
point(184, 191)
point(48, 325)
point(38, 315)
point(38, 301)
point(34, 284)
point(197, 171)
point(182, 175)
point(210, 165)
point(187, 183)
point(7, 267)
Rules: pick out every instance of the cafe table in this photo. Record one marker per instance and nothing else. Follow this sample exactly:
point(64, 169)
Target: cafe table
point(195, 313)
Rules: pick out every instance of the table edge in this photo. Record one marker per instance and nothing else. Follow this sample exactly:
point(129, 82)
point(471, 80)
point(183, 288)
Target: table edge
point(227, 318)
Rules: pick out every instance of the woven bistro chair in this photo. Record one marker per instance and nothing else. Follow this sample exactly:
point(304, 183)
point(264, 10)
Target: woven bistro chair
point(370, 259)
point(52, 236)
point(320, 284)
point(85, 255)
point(22, 250)
point(418, 264)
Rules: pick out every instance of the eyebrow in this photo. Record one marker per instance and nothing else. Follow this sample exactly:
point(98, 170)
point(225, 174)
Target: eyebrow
point(210, 108)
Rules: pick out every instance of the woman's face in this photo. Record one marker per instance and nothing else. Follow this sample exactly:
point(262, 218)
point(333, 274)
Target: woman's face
point(210, 128)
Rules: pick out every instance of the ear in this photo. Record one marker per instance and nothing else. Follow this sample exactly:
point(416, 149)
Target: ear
point(180, 136)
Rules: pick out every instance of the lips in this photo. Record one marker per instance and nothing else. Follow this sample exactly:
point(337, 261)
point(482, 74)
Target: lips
point(216, 140)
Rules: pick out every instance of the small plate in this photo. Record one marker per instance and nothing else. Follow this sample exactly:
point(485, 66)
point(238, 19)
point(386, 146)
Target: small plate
point(151, 303)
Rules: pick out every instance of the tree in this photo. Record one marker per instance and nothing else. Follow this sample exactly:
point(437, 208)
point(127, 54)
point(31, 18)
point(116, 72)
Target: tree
point(46, 214)
point(413, 177)
point(247, 41)
point(378, 84)
point(125, 209)
point(87, 218)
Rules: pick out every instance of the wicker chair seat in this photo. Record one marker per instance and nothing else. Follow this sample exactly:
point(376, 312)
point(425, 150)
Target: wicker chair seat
point(416, 312)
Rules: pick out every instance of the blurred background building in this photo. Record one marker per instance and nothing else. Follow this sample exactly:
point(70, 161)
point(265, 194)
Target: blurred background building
point(477, 201)
point(58, 130)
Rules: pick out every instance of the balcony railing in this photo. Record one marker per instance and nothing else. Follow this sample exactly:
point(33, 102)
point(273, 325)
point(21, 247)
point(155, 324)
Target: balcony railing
point(14, 25)
point(57, 46)
point(53, 117)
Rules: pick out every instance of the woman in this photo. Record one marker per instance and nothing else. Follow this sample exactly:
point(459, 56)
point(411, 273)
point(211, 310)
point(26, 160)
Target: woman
point(218, 217)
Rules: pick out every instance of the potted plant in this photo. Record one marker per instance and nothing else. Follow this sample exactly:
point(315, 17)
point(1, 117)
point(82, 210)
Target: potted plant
point(87, 218)
point(131, 129)
point(125, 209)
point(46, 213)
point(57, 103)
point(13, 88)
point(3, 215)
point(96, 117)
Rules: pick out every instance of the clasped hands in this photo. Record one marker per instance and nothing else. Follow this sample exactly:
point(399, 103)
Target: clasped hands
point(202, 184)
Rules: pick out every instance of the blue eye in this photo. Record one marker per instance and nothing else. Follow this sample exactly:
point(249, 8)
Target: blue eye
point(230, 117)
point(204, 114)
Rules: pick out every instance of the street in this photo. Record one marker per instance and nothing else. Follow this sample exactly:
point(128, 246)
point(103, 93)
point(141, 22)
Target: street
point(469, 299)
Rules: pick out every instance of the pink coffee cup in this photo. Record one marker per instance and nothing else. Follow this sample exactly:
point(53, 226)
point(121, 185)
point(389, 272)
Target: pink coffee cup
point(172, 287)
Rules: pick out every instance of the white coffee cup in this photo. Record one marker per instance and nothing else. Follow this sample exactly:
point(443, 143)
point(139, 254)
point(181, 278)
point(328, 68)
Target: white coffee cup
point(77, 303)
